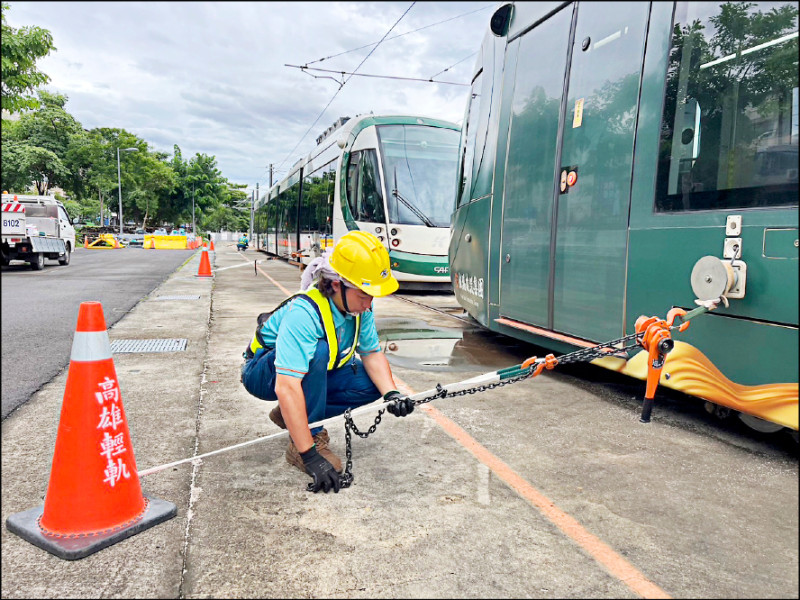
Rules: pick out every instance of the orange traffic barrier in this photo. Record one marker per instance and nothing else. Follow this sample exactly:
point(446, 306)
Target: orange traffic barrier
point(94, 498)
point(212, 246)
point(205, 265)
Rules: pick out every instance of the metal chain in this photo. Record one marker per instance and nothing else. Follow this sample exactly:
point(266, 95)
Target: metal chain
point(584, 355)
point(346, 478)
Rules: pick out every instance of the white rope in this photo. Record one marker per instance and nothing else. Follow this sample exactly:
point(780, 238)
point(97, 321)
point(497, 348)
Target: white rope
point(484, 379)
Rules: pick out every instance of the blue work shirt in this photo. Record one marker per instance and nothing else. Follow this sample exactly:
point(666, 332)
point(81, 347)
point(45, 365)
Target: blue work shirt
point(295, 329)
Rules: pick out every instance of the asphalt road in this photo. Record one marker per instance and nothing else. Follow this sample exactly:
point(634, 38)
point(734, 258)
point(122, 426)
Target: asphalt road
point(40, 308)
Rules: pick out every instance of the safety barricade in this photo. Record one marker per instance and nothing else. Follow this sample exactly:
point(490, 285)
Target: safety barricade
point(165, 242)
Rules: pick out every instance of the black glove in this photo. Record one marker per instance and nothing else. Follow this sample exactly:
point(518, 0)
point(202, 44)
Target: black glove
point(399, 405)
point(325, 476)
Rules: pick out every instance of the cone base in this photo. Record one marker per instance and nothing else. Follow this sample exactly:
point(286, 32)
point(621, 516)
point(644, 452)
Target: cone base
point(26, 525)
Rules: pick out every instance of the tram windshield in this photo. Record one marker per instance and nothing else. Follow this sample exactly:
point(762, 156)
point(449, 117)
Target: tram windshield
point(729, 135)
point(419, 166)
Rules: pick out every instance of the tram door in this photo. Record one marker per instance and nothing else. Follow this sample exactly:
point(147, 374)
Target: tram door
point(577, 247)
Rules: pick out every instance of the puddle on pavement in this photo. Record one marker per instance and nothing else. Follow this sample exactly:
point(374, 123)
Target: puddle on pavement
point(415, 344)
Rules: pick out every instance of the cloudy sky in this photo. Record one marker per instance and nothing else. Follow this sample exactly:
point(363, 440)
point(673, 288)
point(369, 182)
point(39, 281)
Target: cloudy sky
point(210, 76)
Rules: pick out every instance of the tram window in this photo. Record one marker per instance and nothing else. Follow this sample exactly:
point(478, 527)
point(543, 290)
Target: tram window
point(470, 138)
point(419, 165)
point(364, 195)
point(352, 181)
point(729, 133)
point(315, 208)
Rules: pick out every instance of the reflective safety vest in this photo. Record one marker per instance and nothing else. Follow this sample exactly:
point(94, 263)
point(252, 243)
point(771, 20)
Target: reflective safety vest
point(323, 308)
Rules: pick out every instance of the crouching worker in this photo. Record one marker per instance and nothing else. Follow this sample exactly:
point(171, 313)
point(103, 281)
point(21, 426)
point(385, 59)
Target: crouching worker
point(303, 352)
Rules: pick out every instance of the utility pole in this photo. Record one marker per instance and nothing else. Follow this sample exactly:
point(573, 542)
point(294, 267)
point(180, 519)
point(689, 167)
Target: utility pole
point(270, 175)
point(253, 214)
point(252, 205)
point(119, 180)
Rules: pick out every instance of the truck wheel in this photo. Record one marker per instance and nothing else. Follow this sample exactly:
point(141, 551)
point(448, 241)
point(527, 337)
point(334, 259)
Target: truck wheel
point(37, 264)
point(6, 260)
point(64, 258)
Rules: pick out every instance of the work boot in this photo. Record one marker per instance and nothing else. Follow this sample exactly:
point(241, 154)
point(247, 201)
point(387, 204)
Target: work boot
point(276, 417)
point(321, 440)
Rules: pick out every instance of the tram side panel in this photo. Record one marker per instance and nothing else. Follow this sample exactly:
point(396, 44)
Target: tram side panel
point(474, 240)
point(567, 261)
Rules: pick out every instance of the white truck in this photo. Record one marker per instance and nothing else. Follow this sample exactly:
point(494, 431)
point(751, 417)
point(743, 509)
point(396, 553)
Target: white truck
point(35, 228)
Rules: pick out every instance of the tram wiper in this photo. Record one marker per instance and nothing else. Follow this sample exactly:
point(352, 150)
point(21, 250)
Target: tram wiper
point(420, 215)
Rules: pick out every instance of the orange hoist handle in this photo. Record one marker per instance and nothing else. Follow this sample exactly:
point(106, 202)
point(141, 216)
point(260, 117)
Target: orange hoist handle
point(550, 362)
point(656, 339)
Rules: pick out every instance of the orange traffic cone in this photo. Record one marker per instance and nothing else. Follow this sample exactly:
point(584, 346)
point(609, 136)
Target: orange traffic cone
point(212, 246)
point(94, 498)
point(205, 265)
point(86, 241)
point(116, 243)
point(152, 245)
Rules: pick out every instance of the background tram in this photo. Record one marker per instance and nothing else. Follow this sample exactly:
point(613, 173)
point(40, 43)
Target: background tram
point(390, 175)
point(620, 159)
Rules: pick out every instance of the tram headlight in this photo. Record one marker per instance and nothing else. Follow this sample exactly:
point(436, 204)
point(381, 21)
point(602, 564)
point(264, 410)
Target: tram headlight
point(395, 242)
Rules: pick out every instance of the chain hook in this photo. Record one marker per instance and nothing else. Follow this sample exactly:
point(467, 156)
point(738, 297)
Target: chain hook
point(549, 361)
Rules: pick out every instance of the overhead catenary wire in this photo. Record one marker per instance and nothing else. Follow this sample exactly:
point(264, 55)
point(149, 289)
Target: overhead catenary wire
point(306, 68)
point(344, 83)
point(401, 35)
point(430, 80)
point(451, 66)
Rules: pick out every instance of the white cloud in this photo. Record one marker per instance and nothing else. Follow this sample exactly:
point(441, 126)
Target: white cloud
point(210, 76)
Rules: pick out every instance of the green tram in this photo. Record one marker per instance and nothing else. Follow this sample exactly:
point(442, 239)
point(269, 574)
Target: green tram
point(622, 159)
point(390, 175)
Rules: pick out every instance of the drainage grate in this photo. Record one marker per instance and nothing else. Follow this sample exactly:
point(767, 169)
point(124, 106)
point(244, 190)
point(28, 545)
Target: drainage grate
point(176, 298)
point(165, 345)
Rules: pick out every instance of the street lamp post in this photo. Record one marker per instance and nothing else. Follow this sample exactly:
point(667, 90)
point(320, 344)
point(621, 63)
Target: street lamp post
point(119, 181)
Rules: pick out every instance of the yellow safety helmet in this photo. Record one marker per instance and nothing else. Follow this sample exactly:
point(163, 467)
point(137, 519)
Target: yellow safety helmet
point(363, 260)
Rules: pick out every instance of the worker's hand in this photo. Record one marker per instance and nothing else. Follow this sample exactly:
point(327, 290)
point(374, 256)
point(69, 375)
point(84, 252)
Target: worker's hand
point(399, 405)
point(325, 476)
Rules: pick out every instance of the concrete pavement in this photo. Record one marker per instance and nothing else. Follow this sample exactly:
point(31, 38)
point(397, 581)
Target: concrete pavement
point(541, 489)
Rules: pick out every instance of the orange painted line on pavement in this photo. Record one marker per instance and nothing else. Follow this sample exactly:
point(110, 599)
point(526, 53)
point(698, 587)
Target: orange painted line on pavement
point(278, 285)
point(615, 564)
point(283, 289)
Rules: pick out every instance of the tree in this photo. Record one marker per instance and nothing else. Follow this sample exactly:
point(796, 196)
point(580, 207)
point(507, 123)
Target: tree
point(204, 184)
point(155, 180)
point(21, 48)
point(36, 146)
point(31, 164)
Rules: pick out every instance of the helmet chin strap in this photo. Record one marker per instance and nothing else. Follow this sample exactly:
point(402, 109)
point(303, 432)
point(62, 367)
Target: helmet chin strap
point(343, 288)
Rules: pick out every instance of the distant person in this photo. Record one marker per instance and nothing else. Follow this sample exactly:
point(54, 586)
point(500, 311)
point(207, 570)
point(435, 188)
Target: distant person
point(303, 352)
point(242, 243)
